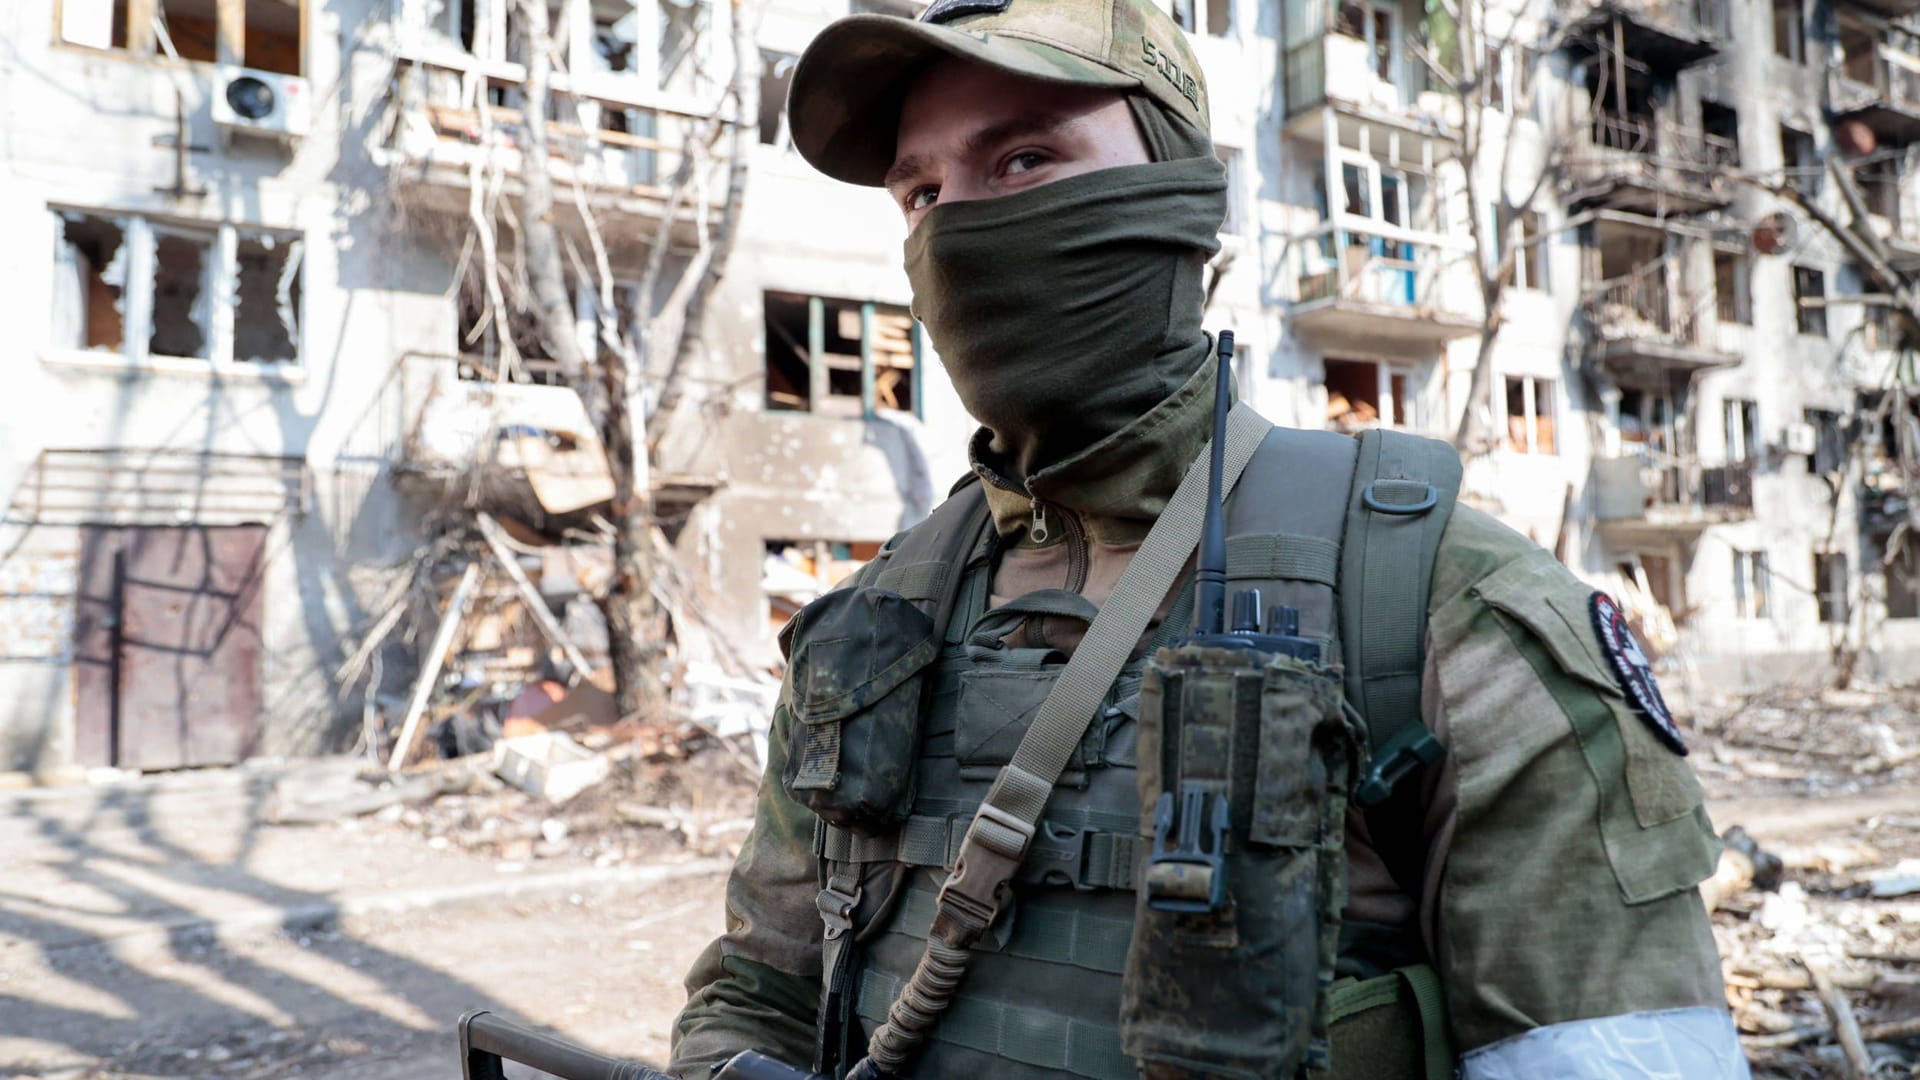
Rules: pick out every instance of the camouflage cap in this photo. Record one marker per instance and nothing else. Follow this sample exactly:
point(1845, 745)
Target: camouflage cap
point(844, 108)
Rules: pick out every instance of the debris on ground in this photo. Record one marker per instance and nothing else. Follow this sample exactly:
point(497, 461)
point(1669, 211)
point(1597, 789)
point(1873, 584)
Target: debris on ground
point(1819, 928)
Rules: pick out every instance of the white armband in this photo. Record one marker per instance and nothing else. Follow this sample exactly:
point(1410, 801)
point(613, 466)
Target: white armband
point(1672, 1044)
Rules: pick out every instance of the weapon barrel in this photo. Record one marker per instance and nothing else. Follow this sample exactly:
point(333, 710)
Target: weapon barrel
point(485, 1039)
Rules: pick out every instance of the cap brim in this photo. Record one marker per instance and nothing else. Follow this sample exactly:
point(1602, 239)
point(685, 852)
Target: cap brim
point(844, 106)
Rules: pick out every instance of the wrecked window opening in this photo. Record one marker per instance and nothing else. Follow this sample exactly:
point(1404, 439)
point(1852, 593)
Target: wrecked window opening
point(795, 572)
point(182, 296)
point(776, 75)
point(681, 24)
point(267, 32)
point(1530, 415)
point(1722, 122)
point(849, 342)
point(1789, 31)
point(1740, 419)
point(89, 294)
point(1529, 251)
point(1219, 16)
point(1902, 572)
point(1830, 586)
point(1830, 447)
point(1363, 394)
point(1802, 161)
point(1752, 585)
point(616, 36)
point(1809, 301)
point(266, 314)
point(1732, 294)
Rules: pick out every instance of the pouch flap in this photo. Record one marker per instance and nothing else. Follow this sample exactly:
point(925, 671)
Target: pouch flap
point(852, 647)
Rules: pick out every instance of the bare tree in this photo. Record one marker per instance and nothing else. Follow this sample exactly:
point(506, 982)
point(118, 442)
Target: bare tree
point(1459, 46)
point(607, 382)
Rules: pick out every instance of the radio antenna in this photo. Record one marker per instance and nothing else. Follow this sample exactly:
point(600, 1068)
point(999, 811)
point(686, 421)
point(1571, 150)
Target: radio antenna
point(1210, 609)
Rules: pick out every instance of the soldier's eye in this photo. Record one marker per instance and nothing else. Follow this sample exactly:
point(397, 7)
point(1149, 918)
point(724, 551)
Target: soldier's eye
point(1025, 161)
point(920, 198)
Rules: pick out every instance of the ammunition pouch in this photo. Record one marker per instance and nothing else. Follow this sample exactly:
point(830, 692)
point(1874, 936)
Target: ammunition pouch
point(858, 657)
point(1246, 759)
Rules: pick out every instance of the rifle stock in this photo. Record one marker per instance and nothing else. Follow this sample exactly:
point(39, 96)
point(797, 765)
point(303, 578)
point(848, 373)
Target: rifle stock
point(487, 1042)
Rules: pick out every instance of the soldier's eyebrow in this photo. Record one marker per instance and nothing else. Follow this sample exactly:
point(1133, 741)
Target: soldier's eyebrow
point(1025, 125)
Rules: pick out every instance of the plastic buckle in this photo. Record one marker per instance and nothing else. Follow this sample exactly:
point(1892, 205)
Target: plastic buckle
point(1372, 502)
point(836, 909)
point(1185, 877)
point(1395, 765)
point(987, 861)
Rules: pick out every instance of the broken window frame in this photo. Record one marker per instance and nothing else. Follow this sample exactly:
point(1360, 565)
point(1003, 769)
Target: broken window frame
point(219, 290)
point(1396, 399)
point(226, 43)
point(1809, 283)
point(820, 399)
point(776, 75)
point(1792, 15)
point(1752, 585)
point(1740, 424)
point(1541, 425)
point(1219, 18)
point(1832, 604)
point(1732, 291)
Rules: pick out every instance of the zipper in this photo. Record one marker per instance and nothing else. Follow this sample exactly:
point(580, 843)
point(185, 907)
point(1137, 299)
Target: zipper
point(1078, 556)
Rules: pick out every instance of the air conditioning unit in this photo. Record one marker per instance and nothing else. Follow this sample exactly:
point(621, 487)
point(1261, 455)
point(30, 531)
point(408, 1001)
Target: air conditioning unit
point(261, 103)
point(1799, 439)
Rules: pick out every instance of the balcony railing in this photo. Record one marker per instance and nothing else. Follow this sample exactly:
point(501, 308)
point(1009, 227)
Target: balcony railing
point(623, 149)
point(1337, 263)
point(1891, 79)
point(1663, 489)
point(1643, 306)
point(1621, 149)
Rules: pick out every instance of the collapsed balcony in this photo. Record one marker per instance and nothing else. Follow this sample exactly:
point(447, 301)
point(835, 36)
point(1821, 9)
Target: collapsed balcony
point(454, 122)
point(1642, 331)
point(1642, 165)
point(1877, 82)
point(1662, 35)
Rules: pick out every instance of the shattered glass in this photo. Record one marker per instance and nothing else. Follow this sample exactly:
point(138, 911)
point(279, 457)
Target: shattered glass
point(182, 262)
point(266, 298)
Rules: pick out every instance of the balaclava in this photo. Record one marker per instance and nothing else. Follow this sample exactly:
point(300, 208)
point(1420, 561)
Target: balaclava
point(1063, 313)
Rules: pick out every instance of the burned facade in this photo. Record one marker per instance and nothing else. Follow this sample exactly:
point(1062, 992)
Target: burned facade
point(256, 357)
point(259, 350)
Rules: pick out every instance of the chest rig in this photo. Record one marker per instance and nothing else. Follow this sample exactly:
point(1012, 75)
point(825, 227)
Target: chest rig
point(1043, 989)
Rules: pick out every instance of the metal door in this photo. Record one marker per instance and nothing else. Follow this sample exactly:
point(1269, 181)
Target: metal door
point(167, 646)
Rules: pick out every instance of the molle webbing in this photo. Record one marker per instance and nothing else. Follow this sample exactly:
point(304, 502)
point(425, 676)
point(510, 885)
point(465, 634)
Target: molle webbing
point(1084, 856)
point(1025, 1036)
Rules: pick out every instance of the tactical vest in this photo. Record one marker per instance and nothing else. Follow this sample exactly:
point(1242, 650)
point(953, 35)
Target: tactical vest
point(1343, 531)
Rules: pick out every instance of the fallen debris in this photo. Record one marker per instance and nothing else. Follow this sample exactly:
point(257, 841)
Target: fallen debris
point(550, 765)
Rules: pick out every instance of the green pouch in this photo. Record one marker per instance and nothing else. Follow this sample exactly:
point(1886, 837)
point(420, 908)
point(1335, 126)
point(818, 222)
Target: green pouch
point(858, 658)
point(1240, 991)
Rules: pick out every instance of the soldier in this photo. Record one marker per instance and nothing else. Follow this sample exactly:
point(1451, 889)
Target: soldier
point(1523, 905)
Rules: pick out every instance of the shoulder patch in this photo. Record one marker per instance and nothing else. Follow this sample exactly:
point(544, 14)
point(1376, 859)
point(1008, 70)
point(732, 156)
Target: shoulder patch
point(1633, 669)
point(942, 10)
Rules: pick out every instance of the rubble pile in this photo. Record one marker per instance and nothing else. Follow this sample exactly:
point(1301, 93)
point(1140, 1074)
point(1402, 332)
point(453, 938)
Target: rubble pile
point(1819, 930)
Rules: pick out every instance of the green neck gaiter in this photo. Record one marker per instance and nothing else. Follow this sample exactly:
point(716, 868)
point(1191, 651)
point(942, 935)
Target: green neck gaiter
point(1062, 314)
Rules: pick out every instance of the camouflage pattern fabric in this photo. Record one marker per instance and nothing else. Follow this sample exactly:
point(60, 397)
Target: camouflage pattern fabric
point(844, 106)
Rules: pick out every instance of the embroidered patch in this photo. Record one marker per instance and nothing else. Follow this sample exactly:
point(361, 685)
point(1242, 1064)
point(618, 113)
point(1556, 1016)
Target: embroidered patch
point(1634, 670)
point(942, 10)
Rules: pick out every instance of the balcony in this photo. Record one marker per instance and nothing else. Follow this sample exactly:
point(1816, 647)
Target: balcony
point(1663, 35)
point(1662, 495)
point(1880, 87)
point(1641, 331)
point(438, 417)
point(1385, 285)
point(621, 150)
point(1886, 9)
point(1644, 166)
point(1330, 69)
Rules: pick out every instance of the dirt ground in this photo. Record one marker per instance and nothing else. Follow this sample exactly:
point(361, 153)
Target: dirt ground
point(168, 928)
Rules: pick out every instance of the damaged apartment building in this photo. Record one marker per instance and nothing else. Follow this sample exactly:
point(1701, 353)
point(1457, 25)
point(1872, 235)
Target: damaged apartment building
point(256, 355)
point(258, 348)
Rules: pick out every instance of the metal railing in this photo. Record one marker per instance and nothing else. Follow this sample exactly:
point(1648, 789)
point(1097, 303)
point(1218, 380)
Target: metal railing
point(1643, 305)
point(609, 142)
point(1382, 269)
point(1656, 485)
point(1893, 78)
point(1618, 148)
